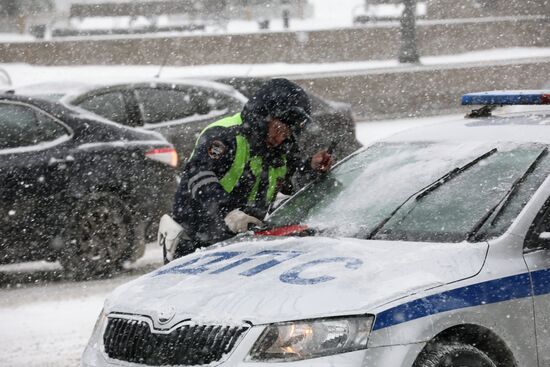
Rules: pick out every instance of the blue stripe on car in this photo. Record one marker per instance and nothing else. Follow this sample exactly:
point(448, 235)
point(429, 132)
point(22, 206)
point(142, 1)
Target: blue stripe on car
point(541, 282)
point(492, 291)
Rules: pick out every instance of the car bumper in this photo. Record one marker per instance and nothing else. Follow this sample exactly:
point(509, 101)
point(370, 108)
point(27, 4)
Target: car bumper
point(394, 356)
point(384, 356)
point(153, 198)
point(149, 201)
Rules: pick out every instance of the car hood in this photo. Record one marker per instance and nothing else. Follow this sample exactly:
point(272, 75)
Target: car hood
point(263, 280)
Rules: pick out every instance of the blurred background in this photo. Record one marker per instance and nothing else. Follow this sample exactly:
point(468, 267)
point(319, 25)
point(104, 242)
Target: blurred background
point(456, 46)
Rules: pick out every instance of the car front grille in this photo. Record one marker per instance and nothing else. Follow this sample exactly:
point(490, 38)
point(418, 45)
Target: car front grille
point(187, 345)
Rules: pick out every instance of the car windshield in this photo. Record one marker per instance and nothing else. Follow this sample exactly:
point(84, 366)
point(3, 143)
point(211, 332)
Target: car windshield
point(366, 191)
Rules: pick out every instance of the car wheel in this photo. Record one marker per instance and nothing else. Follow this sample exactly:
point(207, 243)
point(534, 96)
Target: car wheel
point(453, 355)
point(97, 237)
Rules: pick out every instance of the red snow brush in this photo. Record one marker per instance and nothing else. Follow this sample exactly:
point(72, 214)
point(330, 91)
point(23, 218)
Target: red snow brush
point(294, 229)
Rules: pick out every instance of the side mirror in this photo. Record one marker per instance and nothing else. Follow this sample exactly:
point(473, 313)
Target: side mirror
point(545, 236)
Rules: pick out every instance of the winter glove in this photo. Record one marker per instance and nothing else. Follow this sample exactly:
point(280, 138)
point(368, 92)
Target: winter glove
point(322, 161)
point(237, 221)
point(170, 233)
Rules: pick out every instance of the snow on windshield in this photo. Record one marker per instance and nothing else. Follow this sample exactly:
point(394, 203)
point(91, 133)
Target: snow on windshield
point(364, 191)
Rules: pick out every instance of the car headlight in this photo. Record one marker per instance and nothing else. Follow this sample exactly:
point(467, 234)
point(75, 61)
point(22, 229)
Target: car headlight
point(99, 325)
point(299, 340)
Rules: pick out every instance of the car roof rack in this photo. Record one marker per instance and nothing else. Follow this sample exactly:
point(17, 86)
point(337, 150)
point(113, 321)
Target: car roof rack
point(493, 99)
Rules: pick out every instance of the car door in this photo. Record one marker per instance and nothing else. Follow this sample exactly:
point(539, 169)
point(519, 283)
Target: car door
point(537, 257)
point(180, 113)
point(112, 104)
point(33, 173)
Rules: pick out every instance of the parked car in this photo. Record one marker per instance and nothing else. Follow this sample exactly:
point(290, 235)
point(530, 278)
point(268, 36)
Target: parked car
point(180, 110)
point(430, 248)
point(332, 121)
point(78, 189)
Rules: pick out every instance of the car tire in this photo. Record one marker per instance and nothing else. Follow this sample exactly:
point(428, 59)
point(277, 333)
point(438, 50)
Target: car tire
point(453, 355)
point(98, 237)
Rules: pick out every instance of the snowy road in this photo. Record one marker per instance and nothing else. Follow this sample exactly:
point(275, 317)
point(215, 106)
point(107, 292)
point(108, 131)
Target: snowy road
point(47, 323)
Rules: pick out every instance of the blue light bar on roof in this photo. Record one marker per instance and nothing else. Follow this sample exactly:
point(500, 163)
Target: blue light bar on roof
point(511, 97)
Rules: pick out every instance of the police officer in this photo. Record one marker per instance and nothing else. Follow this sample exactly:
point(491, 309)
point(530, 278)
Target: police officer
point(240, 163)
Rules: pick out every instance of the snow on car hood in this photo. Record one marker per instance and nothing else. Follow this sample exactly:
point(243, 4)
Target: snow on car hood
point(273, 279)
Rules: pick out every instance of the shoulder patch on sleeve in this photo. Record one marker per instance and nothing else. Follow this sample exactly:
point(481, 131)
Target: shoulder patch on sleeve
point(216, 149)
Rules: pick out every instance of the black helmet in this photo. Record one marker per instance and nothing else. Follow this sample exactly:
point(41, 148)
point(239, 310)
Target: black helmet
point(281, 99)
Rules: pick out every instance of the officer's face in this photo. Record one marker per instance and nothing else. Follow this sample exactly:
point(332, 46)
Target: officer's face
point(277, 133)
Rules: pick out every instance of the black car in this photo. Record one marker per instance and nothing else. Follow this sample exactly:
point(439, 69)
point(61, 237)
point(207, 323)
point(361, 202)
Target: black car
point(333, 122)
point(178, 110)
point(181, 109)
point(78, 189)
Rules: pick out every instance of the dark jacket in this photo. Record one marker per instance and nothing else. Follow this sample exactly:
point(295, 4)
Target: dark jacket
point(201, 203)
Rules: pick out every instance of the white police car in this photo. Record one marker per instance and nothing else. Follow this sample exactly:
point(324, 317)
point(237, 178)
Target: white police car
point(431, 248)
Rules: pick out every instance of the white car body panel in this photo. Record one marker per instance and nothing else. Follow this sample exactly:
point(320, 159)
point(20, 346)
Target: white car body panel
point(513, 128)
point(415, 290)
point(371, 274)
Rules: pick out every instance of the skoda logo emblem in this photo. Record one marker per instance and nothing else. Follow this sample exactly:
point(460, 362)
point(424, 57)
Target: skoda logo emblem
point(166, 314)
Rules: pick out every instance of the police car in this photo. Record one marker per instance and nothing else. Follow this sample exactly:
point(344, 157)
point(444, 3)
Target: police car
point(430, 248)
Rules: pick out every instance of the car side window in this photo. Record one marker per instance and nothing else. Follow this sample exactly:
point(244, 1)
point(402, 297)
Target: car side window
point(222, 103)
point(23, 126)
point(519, 199)
point(109, 105)
point(540, 225)
point(160, 105)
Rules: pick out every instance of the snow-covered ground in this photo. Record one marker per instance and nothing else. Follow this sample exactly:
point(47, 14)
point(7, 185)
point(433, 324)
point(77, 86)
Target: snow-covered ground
point(48, 324)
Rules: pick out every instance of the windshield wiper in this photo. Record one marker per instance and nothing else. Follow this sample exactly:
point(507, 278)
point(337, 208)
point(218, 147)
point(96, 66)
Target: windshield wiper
point(423, 192)
point(497, 209)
